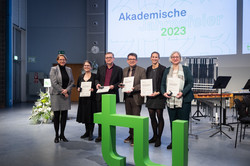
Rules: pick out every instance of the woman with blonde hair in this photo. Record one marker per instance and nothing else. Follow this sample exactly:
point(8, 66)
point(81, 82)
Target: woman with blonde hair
point(178, 102)
point(62, 82)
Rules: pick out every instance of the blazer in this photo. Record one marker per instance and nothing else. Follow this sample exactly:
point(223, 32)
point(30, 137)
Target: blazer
point(116, 77)
point(140, 73)
point(56, 80)
point(188, 95)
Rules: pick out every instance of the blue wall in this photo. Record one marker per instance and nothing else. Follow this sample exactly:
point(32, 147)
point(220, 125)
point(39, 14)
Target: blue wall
point(55, 25)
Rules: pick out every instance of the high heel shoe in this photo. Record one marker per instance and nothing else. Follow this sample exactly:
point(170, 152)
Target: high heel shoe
point(56, 140)
point(153, 139)
point(64, 139)
point(85, 135)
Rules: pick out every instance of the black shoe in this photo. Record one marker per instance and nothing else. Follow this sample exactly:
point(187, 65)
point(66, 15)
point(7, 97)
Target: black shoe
point(91, 137)
point(56, 140)
point(85, 135)
point(153, 139)
point(169, 146)
point(98, 139)
point(128, 139)
point(64, 139)
point(158, 142)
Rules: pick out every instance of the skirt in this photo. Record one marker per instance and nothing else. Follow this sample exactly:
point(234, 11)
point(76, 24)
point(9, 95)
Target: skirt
point(59, 102)
point(157, 102)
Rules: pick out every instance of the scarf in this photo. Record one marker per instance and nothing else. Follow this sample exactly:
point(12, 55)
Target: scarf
point(174, 102)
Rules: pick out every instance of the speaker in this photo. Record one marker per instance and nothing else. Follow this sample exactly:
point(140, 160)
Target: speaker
point(96, 23)
point(96, 40)
point(96, 30)
point(96, 6)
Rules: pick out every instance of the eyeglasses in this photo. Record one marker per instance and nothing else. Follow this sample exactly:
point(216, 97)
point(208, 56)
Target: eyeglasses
point(86, 65)
point(132, 59)
point(62, 59)
point(175, 57)
point(108, 57)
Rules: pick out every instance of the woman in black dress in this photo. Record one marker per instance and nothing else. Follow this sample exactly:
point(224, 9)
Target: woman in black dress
point(156, 101)
point(87, 105)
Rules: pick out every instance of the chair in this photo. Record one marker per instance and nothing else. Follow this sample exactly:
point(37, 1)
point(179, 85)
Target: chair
point(246, 100)
point(243, 119)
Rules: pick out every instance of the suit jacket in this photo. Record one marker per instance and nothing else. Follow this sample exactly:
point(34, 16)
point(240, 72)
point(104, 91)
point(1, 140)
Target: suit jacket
point(187, 90)
point(116, 77)
point(56, 80)
point(140, 73)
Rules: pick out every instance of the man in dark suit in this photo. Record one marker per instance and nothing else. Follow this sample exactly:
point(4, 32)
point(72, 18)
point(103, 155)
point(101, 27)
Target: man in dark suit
point(107, 75)
point(133, 99)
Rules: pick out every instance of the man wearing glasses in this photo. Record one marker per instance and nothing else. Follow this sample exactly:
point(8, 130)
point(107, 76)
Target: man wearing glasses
point(107, 75)
point(133, 99)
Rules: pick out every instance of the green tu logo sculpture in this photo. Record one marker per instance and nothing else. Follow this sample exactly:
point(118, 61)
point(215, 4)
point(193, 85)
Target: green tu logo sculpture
point(109, 120)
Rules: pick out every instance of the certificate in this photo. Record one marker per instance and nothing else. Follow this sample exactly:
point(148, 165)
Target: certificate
point(85, 86)
point(146, 87)
point(173, 85)
point(128, 84)
point(103, 90)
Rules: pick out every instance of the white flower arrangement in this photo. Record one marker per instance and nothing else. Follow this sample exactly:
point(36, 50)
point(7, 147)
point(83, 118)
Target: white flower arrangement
point(41, 111)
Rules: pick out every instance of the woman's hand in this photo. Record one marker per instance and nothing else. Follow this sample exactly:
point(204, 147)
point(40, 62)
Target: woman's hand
point(66, 95)
point(166, 95)
point(179, 95)
point(64, 91)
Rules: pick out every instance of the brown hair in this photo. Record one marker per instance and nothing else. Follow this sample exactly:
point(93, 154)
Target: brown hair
point(155, 52)
point(87, 61)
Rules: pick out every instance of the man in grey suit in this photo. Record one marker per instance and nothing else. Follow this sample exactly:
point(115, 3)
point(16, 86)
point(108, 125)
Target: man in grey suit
point(133, 99)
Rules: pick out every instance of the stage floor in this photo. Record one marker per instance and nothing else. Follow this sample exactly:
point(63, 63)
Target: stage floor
point(22, 143)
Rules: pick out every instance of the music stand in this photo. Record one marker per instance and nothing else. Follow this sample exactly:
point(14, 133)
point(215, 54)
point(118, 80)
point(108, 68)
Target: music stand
point(247, 85)
point(221, 83)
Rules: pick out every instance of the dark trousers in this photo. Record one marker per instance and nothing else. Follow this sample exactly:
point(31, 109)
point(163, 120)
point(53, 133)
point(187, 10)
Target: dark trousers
point(132, 109)
point(179, 113)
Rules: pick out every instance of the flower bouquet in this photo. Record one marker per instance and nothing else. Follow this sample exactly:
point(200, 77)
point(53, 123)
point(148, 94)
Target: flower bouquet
point(41, 111)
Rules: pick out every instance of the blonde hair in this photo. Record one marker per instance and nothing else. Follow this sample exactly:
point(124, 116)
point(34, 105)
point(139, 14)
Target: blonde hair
point(173, 54)
point(59, 55)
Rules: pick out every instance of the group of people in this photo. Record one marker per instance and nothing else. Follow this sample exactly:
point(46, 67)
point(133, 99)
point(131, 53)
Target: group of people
point(178, 105)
